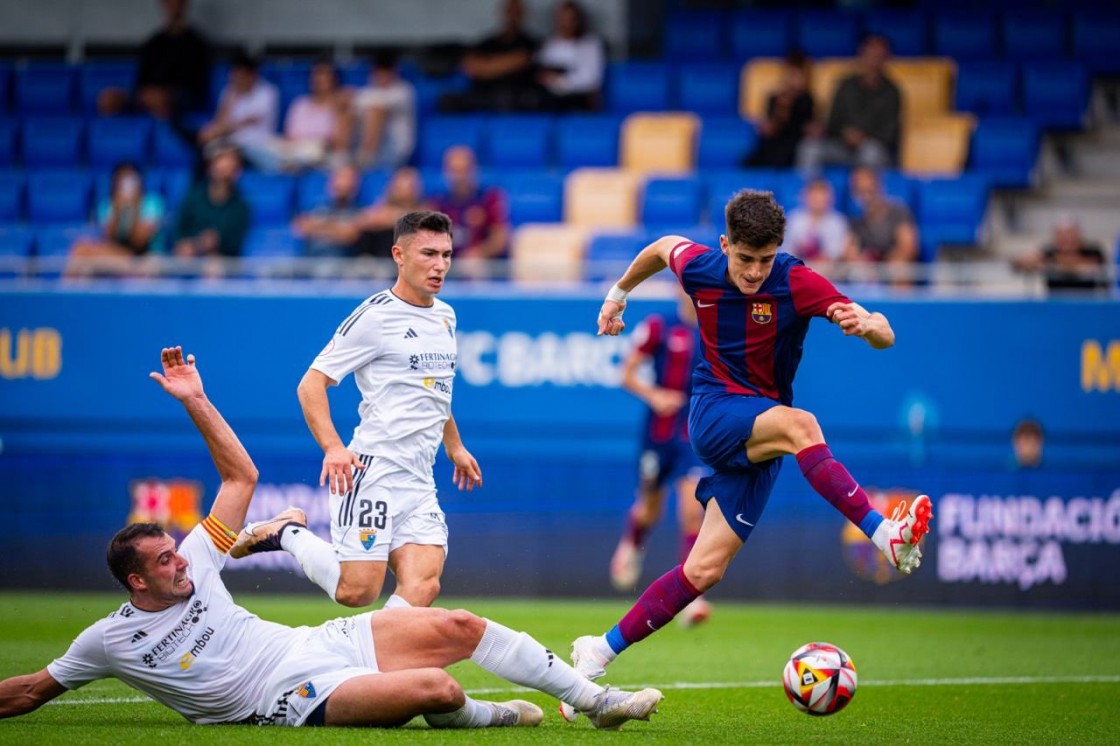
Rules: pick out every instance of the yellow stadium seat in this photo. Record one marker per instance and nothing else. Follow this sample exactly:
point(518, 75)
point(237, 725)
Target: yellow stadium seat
point(662, 143)
point(935, 145)
point(759, 78)
point(926, 85)
point(547, 252)
point(601, 198)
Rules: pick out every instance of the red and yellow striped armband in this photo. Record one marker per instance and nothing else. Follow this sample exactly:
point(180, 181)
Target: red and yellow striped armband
point(220, 534)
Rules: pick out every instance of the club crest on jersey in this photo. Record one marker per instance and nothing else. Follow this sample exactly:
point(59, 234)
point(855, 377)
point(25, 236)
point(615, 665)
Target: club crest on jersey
point(761, 313)
point(368, 537)
point(307, 691)
point(450, 329)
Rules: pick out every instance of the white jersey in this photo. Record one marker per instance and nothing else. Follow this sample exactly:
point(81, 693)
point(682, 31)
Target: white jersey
point(206, 658)
point(403, 360)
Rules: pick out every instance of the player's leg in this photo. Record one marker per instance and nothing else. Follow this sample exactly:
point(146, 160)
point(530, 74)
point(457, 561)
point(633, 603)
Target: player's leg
point(360, 582)
point(418, 569)
point(417, 545)
point(690, 515)
point(626, 562)
point(392, 699)
point(362, 531)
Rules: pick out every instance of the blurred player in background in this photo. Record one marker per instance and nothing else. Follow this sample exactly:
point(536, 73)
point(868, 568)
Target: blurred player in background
point(754, 305)
point(670, 346)
point(183, 641)
point(400, 346)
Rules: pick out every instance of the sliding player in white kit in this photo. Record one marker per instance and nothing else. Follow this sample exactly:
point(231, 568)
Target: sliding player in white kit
point(182, 640)
point(400, 346)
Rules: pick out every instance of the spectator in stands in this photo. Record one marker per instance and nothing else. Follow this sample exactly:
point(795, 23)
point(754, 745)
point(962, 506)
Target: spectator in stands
point(247, 113)
point(816, 231)
point(1069, 262)
point(173, 74)
point(313, 128)
point(331, 229)
point(130, 222)
point(864, 120)
point(479, 215)
point(384, 113)
point(571, 61)
point(214, 216)
point(501, 69)
point(1026, 443)
point(404, 194)
point(789, 117)
point(883, 231)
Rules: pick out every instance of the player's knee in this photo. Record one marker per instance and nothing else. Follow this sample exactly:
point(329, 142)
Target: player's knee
point(354, 596)
point(703, 575)
point(804, 430)
point(441, 692)
point(463, 627)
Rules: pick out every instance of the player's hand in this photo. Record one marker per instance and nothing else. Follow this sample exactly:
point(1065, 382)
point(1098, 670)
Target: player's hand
point(610, 318)
point(665, 402)
point(849, 317)
point(337, 473)
point(467, 474)
point(180, 378)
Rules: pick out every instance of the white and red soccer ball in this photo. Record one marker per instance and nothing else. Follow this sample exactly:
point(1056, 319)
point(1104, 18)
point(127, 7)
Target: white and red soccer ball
point(819, 679)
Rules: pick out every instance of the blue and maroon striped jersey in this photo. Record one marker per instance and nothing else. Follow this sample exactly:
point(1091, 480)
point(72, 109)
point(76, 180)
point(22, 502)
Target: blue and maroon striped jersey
point(751, 343)
point(673, 347)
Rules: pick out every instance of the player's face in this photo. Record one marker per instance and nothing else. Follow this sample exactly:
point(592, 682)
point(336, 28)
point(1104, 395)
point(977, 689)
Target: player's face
point(164, 576)
point(423, 259)
point(748, 267)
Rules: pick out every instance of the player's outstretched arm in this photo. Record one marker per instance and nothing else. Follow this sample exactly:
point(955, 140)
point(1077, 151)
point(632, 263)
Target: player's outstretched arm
point(20, 695)
point(180, 378)
point(649, 261)
point(467, 473)
point(855, 321)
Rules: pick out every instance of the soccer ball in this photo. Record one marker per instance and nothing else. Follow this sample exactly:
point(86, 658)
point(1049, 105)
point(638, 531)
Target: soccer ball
point(820, 679)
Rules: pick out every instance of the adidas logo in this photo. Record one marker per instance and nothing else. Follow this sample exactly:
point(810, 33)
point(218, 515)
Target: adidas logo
point(410, 334)
point(139, 636)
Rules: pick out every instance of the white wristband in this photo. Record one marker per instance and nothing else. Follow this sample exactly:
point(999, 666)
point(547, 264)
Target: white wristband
point(617, 294)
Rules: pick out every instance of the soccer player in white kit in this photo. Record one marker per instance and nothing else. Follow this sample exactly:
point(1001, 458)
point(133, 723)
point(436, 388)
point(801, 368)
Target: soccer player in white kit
point(400, 346)
point(182, 640)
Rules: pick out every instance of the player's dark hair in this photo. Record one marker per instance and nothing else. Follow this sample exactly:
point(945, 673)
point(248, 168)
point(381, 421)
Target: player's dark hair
point(121, 554)
point(421, 220)
point(755, 220)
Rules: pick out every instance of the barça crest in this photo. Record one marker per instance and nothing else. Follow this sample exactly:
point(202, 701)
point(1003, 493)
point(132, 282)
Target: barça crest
point(368, 537)
point(761, 313)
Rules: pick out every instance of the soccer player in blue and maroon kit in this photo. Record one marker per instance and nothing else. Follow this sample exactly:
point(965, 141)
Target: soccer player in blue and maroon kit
point(754, 305)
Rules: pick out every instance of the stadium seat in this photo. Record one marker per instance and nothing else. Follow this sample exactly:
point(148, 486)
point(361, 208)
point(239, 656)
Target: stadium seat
point(760, 34)
point(965, 35)
point(907, 30)
point(355, 73)
point(311, 190)
point(757, 81)
point(956, 207)
point(901, 187)
point(437, 135)
point(637, 86)
point(5, 87)
point(790, 188)
point(707, 88)
point(12, 186)
point(609, 254)
point(52, 141)
point(44, 88)
point(110, 141)
point(601, 198)
point(587, 140)
point(270, 242)
point(55, 240)
point(725, 142)
point(94, 77)
point(58, 195)
point(169, 148)
point(292, 78)
point(696, 36)
point(373, 186)
point(936, 145)
point(1056, 94)
point(988, 88)
point(9, 129)
point(1094, 40)
point(547, 253)
point(172, 183)
point(519, 141)
point(270, 197)
point(532, 196)
point(16, 240)
point(827, 33)
point(1005, 151)
point(668, 202)
point(664, 143)
point(721, 185)
point(926, 85)
point(1031, 34)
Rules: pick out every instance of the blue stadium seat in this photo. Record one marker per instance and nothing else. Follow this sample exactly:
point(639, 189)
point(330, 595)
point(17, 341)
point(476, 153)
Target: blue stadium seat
point(169, 149)
point(172, 183)
point(55, 240)
point(608, 254)
point(952, 211)
point(519, 141)
point(354, 74)
point(696, 36)
point(637, 86)
point(760, 34)
point(790, 195)
point(429, 90)
point(44, 88)
point(5, 87)
point(311, 190)
point(725, 142)
point(827, 33)
point(1005, 151)
point(671, 201)
point(12, 186)
point(110, 141)
point(722, 184)
point(437, 135)
point(587, 140)
point(1094, 40)
point(52, 141)
point(1030, 34)
point(16, 240)
point(373, 186)
point(58, 195)
point(291, 78)
point(907, 30)
point(1056, 94)
point(989, 88)
point(94, 77)
point(901, 187)
point(708, 88)
point(272, 242)
point(532, 196)
point(965, 35)
point(9, 144)
point(270, 196)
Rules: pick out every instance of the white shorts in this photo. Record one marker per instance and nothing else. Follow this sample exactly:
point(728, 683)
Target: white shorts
point(387, 508)
point(332, 653)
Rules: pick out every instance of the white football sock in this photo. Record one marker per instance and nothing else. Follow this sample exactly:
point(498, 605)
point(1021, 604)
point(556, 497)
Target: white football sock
point(314, 555)
point(880, 538)
point(518, 658)
point(396, 602)
point(473, 714)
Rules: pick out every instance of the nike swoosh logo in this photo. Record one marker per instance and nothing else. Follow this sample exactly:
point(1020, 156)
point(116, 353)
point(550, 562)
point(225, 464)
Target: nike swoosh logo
point(739, 518)
point(853, 490)
point(704, 305)
point(650, 623)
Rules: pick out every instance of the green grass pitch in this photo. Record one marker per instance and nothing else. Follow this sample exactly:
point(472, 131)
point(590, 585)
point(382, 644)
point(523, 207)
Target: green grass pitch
point(925, 676)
